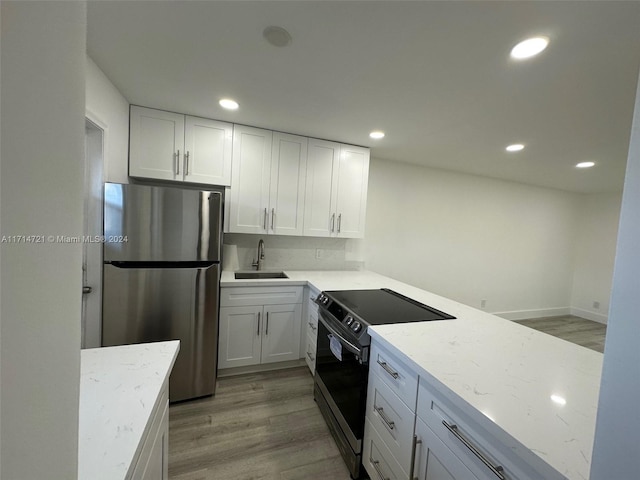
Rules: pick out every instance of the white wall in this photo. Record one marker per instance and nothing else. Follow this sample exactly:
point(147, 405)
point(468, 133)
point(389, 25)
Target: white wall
point(110, 111)
point(617, 436)
point(471, 238)
point(42, 97)
point(594, 254)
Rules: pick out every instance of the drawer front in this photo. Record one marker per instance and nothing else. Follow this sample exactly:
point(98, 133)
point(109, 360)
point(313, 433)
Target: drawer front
point(395, 374)
point(312, 324)
point(245, 296)
point(310, 354)
point(392, 419)
point(378, 459)
point(433, 409)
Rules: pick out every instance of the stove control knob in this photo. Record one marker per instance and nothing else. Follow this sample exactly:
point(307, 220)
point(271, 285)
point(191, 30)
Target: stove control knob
point(348, 320)
point(356, 327)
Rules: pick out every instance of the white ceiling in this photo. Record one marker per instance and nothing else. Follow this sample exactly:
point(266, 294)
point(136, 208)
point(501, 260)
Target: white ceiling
point(435, 76)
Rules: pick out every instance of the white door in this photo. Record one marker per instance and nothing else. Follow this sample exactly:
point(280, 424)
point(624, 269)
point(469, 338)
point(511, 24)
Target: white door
point(92, 227)
point(287, 186)
point(322, 171)
point(251, 170)
point(351, 198)
point(240, 336)
point(156, 144)
point(281, 335)
point(207, 157)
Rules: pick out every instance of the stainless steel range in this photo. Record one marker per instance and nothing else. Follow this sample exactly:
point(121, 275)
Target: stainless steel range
point(342, 362)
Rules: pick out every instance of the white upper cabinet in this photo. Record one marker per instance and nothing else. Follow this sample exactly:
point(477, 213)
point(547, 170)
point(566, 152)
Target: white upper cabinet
point(170, 146)
point(336, 190)
point(269, 172)
point(249, 203)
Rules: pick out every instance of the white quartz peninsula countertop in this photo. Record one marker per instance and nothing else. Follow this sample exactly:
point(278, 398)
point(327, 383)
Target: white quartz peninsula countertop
point(119, 388)
point(538, 390)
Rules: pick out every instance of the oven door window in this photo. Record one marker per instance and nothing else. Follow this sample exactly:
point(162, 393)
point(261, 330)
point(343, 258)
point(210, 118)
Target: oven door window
point(346, 381)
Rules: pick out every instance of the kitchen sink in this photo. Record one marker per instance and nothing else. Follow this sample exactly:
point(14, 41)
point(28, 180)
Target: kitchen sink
point(259, 275)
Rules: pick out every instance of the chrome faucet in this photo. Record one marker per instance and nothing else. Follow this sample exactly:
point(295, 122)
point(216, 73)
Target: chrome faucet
point(259, 263)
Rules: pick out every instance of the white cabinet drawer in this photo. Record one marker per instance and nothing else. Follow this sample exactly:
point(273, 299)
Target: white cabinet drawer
point(378, 459)
point(392, 419)
point(310, 354)
point(312, 325)
point(395, 374)
point(244, 296)
point(435, 410)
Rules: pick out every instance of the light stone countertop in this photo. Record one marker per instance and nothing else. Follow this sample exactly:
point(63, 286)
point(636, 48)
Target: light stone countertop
point(119, 389)
point(506, 372)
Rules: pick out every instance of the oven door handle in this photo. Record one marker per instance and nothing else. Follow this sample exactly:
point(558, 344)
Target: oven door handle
point(345, 343)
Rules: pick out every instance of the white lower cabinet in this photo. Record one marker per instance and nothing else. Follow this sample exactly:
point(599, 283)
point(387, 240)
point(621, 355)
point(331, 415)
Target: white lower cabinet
point(153, 462)
point(255, 328)
point(310, 328)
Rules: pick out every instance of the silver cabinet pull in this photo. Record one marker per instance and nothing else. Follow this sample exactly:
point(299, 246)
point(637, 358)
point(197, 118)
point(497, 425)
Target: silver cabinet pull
point(339, 222)
point(376, 464)
point(414, 447)
point(384, 418)
point(86, 290)
point(313, 327)
point(273, 216)
point(186, 163)
point(311, 357)
point(386, 368)
point(266, 329)
point(497, 470)
point(264, 223)
point(178, 163)
point(258, 332)
point(333, 222)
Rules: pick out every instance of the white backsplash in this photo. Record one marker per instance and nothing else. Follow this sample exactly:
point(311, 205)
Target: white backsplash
point(294, 253)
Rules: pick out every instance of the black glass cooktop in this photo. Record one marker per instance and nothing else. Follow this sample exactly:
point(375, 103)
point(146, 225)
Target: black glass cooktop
point(378, 307)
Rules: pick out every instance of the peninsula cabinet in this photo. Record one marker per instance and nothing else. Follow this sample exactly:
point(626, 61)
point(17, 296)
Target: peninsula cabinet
point(259, 325)
point(269, 172)
point(171, 146)
point(336, 190)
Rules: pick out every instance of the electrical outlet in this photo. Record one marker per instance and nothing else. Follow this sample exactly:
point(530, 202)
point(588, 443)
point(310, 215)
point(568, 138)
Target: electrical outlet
point(483, 303)
point(596, 305)
point(319, 253)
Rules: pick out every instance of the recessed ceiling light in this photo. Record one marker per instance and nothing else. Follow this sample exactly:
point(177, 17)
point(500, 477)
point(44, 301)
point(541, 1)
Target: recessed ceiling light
point(585, 164)
point(558, 399)
point(529, 47)
point(229, 104)
point(377, 134)
point(277, 36)
point(516, 147)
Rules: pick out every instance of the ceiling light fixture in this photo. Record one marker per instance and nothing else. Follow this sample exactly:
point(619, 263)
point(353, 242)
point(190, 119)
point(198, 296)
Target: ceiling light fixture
point(228, 104)
point(277, 36)
point(529, 47)
point(377, 134)
point(516, 147)
point(585, 164)
point(558, 399)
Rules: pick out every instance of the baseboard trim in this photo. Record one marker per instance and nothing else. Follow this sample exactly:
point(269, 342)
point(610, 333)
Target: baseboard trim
point(539, 313)
point(596, 317)
point(230, 372)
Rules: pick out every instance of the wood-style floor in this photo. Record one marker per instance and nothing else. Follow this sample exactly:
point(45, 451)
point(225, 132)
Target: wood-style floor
point(263, 426)
point(573, 329)
point(266, 426)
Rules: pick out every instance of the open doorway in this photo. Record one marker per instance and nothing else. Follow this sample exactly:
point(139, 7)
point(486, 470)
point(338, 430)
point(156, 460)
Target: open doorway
point(92, 230)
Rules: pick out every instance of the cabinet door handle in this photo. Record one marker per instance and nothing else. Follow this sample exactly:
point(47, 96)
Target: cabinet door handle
point(376, 464)
point(258, 332)
point(414, 447)
point(264, 222)
point(339, 222)
point(497, 470)
point(333, 222)
point(273, 216)
point(384, 418)
point(386, 368)
point(178, 163)
point(186, 163)
point(266, 329)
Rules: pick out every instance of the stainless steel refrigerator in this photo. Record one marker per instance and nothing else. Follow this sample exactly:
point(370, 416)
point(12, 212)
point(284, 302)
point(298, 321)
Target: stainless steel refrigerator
point(162, 277)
